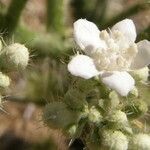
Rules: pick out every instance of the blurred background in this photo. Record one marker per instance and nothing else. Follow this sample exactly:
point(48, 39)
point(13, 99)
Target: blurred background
point(45, 27)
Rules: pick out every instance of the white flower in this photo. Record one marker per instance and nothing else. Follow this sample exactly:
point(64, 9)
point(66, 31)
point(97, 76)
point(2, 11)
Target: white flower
point(109, 54)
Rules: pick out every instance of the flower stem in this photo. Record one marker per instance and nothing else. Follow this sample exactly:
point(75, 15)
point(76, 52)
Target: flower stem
point(12, 16)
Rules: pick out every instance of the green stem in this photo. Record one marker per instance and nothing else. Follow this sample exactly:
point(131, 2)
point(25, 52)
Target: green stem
point(45, 44)
point(99, 11)
point(55, 15)
point(12, 16)
point(127, 13)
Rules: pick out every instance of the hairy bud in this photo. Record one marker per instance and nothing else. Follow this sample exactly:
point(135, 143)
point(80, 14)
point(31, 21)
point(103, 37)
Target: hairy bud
point(118, 120)
point(75, 99)
point(114, 99)
point(141, 74)
point(4, 80)
point(14, 57)
point(94, 115)
point(72, 130)
point(134, 92)
point(114, 140)
point(137, 109)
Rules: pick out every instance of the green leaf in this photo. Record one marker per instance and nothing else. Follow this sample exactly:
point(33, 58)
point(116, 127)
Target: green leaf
point(75, 99)
point(57, 115)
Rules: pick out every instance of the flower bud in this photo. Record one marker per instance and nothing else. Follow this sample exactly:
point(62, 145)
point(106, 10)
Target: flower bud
point(140, 142)
point(114, 140)
point(114, 99)
point(14, 57)
point(118, 120)
point(94, 115)
point(137, 109)
point(134, 92)
point(141, 74)
point(75, 99)
point(72, 130)
point(85, 112)
point(4, 80)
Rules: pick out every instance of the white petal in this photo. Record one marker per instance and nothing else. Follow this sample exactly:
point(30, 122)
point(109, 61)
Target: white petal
point(127, 27)
point(86, 35)
point(82, 66)
point(142, 58)
point(121, 82)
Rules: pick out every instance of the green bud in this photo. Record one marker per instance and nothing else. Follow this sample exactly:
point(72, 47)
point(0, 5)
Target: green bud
point(85, 112)
point(72, 130)
point(101, 103)
point(85, 86)
point(134, 92)
point(114, 140)
point(56, 115)
point(75, 99)
point(136, 109)
point(141, 74)
point(140, 142)
point(4, 80)
point(114, 99)
point(94, 115)
point(118, 120)
point(14, 57)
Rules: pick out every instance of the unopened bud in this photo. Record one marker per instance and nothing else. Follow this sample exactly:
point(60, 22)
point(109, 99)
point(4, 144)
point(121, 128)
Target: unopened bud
point(114, 140)
point(141, 74)
point(118, 120)
point(72, 130)
point(94, 115)
point(14, 57)
point(141, 142)
point(137, 109)
point(4, 80)
point(75, 99)
point(114, 99)
point(134, 92)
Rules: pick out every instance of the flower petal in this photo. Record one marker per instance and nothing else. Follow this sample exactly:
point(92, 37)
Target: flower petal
point(86, 35)
point(142, 58)
point(82, 66)
point(127, 27)
point(121, 82)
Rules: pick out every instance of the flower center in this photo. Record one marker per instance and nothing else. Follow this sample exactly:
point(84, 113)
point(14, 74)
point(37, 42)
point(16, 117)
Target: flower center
point(118, 55)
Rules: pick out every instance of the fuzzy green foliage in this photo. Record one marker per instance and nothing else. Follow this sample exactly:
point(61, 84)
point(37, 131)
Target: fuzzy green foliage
point(75, 99)
point(105, 118)
point(55, 15)
point(46, 82)
point(136, 109)
point(57, 115)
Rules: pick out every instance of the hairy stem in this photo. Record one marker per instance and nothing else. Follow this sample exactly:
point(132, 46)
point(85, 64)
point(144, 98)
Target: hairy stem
point(55, 15)
point(127, 13)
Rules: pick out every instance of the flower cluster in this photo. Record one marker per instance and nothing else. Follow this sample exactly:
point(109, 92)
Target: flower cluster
point(104, 111)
